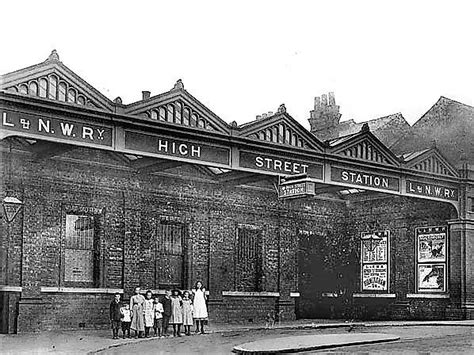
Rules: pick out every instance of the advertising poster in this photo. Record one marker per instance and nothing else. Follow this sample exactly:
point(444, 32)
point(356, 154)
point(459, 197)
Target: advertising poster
point(374, 247)
point(432, 247)
point(431, 277)
point(374, 277)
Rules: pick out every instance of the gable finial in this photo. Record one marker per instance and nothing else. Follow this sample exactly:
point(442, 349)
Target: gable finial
point(179, 85)
point(54, 56)
point(282, 108)
point(365, 127)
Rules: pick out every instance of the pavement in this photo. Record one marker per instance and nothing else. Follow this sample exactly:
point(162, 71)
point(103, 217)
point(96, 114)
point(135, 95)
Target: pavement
point(90, 341)
point(310, 342)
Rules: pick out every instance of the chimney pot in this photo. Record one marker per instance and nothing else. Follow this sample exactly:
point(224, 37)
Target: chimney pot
point(324, 100)
point(332, 99)
point(146, 95)
point(259, 117)
point(270, 113)
point(264, 115)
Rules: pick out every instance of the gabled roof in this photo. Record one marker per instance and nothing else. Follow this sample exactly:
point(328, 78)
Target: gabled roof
point(448, 123)
point(363, 146)
point(387, 129)
point(50, 79)
point(429, 161)
point(192, 112)
point(280, 128)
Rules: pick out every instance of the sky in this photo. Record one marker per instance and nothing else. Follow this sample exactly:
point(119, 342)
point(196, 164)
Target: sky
point(244, 58)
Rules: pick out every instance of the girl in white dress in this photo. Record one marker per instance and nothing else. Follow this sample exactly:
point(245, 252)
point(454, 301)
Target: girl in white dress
point(199, 307)
point(149, 313)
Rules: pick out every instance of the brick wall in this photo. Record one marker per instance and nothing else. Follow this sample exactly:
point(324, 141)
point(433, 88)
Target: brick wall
point(341, 276)
point(129, 205)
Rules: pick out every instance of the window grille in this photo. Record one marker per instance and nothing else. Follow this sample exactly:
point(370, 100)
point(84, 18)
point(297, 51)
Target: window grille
point(79, 254)
point(248, 260)
point(170, 255)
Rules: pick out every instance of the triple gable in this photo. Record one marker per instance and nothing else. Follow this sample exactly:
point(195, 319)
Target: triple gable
point(430, 161)
point(364, 146)
point(283, 129)
point(178, 107)
point(53, 80)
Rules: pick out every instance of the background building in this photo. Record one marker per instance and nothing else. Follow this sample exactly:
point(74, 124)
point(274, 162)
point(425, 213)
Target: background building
point(101, 196)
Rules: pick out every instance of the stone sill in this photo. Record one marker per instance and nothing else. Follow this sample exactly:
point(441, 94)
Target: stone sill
point(162, 292)
point(250, 294)
point(80, 290)
point(6, 288)
point(294, 294)
point(427, 295)
point(374, 295)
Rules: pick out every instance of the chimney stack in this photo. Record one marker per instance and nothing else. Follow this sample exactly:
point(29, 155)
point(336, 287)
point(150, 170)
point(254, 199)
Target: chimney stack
point(325, 116)
point(146, 95)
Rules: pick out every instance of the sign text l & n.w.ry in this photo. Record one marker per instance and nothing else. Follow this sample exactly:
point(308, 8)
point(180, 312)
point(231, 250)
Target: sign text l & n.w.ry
point(431, 190)
point(63, 129)
point(364, 179)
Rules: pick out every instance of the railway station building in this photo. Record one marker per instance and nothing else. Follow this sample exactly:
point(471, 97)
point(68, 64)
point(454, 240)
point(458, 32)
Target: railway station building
point(344, 221)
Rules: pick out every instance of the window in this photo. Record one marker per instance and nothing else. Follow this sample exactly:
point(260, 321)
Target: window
point(375, 261)
point(62, 91)
point(154, 115)
point(178, 112)
point(170, 255)
point(80, 252)
point(53, 87)
point(248, 259)
point(431, 259)
point(186, 115)
point(23, 89)
point(71, 96)
point(81, 100)
point(33, 88)
point(43, 87)
point(162, 114)
point(193, 121)
point(170, 113)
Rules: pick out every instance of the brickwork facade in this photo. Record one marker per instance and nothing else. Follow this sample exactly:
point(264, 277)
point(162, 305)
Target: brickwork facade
point(128, 206)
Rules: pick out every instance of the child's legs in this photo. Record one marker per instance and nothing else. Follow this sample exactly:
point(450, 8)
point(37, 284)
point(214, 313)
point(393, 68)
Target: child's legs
point(179, 329)
point(197, 325)
point(159, 325)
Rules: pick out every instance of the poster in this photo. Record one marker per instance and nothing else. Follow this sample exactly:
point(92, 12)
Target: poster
point(374, 247)
point(374, 277)
point(431, 247)
point(431, 277)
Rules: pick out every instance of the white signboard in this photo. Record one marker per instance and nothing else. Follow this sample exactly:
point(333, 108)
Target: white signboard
point(374, 277)
point(431, 277)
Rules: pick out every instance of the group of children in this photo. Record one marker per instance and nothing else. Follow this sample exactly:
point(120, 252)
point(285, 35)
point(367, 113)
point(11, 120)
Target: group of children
point(144, 313)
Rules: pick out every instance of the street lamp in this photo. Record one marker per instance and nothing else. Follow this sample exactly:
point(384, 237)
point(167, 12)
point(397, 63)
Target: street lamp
point(11, 207)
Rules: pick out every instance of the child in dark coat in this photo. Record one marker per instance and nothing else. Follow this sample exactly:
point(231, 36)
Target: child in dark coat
point(115, 315)
point(166, 312)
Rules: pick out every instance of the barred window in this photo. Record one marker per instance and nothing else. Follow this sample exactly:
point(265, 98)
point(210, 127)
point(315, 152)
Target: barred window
point(170, 255)
point(80, 249)
point(248, 259)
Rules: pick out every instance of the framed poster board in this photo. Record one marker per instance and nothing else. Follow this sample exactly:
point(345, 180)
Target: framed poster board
point(431, 277)
point(431, 255)
point(431, 247)
point(375, 247)
point(374, 277)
